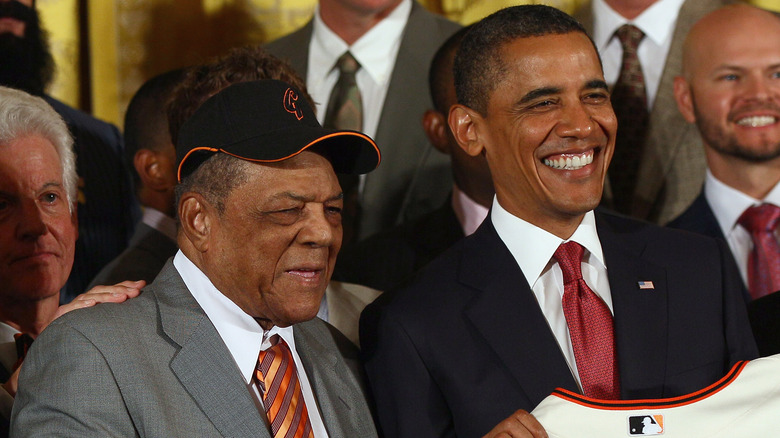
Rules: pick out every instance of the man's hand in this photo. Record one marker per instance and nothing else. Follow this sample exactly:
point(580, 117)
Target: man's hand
point(103, 294)
point(520, 424)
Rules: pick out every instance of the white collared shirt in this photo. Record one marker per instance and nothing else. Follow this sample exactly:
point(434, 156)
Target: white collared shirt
point(533, 248)
point(244, 337)
point(727, 205)
point(375, 51)
point(657, 22)
point(470, 214)
point(159, 221)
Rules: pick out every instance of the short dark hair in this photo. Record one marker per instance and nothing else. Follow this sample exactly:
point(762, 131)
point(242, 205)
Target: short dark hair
point(478, 63)
point(146, 121)
point(440, 73)
point(241, 64)
point(221, 173)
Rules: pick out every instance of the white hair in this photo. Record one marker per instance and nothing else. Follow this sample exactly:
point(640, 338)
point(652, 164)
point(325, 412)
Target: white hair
point(22, 114)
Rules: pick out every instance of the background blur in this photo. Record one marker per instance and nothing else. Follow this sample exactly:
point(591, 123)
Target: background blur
point(105, 49)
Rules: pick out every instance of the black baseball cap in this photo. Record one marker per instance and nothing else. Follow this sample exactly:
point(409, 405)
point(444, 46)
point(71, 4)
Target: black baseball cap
point(268, 121)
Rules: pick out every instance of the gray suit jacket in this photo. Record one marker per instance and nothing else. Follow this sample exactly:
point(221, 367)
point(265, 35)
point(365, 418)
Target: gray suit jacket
point(413, 177)
point(147, 253)
point(672, 167)
point(156, 366)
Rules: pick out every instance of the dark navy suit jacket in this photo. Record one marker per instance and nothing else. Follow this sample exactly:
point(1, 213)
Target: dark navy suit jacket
point(466, 344)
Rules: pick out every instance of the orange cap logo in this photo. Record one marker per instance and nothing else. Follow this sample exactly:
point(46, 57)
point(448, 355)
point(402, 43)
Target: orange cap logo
point(290, 103)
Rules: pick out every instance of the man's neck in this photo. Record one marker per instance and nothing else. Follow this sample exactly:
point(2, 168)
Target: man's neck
point(351, 23)
point(753, 179)
point(29, 317)
point(629, 9)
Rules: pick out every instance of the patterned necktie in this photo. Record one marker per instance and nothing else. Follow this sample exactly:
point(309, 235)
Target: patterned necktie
point(764, 260)
point(629, 100)
point(345, 111)
point(590, 328)
point(282, 397)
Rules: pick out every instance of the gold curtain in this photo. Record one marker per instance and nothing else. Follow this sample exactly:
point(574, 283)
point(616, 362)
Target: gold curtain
point(133, 40)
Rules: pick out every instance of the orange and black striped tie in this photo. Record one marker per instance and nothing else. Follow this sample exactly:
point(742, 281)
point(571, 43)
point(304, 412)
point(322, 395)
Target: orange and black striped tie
point(281, 390)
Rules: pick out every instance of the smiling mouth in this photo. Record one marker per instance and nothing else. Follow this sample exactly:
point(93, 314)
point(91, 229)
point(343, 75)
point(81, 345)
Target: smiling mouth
point(570, 161)
point(757, 121)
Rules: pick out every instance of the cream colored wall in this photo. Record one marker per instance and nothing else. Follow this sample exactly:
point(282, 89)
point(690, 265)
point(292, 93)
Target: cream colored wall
point(133, 40)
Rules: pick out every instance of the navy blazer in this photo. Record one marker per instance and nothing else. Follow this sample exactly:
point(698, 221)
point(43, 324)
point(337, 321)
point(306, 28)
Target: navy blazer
point(466, 344)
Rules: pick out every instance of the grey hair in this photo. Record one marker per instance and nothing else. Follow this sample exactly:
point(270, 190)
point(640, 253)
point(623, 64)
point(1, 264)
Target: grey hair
point(22, 114)
point(215, 179)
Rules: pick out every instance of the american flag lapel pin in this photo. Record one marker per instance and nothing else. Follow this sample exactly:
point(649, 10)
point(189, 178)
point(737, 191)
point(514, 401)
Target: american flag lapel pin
point(646, 285)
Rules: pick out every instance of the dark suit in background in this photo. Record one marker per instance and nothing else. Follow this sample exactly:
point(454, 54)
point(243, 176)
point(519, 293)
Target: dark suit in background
point(413, 178)
point(671, 169)
point(160, 368)
point(146, 254)
point(384, 260)
point(471, 345)
point(107, 207)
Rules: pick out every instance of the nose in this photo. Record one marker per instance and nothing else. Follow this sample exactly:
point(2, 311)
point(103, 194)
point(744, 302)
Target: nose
point(31, 224)
point(319, 230)
point(576, 121)
point(757, 87)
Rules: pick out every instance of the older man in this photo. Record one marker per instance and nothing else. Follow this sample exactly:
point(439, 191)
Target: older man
point(546, 293)
point(223, 343)
point(37, 231)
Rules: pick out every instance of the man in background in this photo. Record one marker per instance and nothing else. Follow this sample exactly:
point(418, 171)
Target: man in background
point(364, 63)
point(730, 90)
point(107, 209)
point(151, 154)
point(386, 259)
point(658, 166)
point(37, 232)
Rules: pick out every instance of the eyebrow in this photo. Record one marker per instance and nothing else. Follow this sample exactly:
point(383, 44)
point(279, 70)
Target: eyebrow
point(597, 83)
point(302, 198)
point(539, 92)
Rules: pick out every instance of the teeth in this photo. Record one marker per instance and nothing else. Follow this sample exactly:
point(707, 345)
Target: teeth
point(756, 121)
point(570, 162)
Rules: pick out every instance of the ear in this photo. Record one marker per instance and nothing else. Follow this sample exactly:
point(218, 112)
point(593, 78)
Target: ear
point(435, 126)
point(196, 217)
point(464, 123)
point(684, 98)
point(150, 170)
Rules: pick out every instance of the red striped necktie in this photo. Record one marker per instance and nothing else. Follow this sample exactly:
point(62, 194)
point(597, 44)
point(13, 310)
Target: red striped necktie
point(764, 260)
point(282, 397)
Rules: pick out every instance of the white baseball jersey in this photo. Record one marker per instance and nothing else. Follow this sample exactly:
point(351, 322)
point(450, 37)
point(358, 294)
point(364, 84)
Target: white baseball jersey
point(745, 403)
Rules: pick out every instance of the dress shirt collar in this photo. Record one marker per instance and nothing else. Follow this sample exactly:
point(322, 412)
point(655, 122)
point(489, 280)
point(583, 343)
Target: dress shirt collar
point(654, 21)
point(533, 247)
point(242, 335)
point(7, 346)
point(728, 203)
point(160, 222)
point(370, 50)
point(470, 214)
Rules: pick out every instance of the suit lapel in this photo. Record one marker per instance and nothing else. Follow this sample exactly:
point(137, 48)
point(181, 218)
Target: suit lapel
point(336, 392)
point(204, 365)
point(506, 313)
point(640, 314)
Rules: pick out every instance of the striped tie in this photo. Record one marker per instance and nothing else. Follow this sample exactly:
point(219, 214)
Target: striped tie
point(282, 397)
point(761, 222)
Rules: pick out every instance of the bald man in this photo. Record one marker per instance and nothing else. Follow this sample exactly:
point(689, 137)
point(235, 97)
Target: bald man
point(730, 88)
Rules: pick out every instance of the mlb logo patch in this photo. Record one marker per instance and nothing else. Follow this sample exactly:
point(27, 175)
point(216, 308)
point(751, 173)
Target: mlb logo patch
point(645, 425)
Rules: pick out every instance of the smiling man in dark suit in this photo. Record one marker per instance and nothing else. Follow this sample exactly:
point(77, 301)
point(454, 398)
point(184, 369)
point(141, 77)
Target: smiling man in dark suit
point(547, 292)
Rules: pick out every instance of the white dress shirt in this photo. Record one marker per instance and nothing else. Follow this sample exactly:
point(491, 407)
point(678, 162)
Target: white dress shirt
point(375, 51)
point(657, 22)
point(533, 248)
point(244, 337)
point(7, 346)
point(727, 205)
